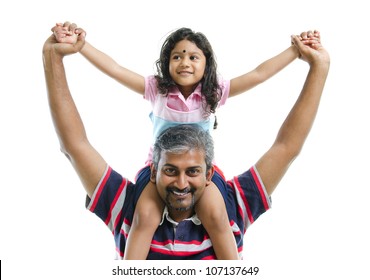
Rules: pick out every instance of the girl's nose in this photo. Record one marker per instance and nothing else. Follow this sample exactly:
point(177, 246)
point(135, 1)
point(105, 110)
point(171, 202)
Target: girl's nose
point(184, 62)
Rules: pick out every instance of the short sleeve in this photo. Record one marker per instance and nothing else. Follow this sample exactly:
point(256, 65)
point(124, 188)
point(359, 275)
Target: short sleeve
point(225, 88)
point(111, 199)
point(150, 88)
point(251, 196)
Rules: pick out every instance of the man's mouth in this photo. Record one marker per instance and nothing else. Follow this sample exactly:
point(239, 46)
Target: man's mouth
point(179, 193)
point(180, 200)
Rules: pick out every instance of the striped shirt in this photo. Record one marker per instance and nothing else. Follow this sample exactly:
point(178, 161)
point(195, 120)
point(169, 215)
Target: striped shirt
point(115, 198)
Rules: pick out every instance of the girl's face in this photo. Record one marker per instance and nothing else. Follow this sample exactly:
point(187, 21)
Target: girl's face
point(187, 66)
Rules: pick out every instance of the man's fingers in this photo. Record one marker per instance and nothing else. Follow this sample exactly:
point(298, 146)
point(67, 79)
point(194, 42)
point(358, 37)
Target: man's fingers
point(80, 40)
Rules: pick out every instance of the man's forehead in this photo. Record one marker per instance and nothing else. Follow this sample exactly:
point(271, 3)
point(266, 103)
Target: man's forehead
point(191, 157)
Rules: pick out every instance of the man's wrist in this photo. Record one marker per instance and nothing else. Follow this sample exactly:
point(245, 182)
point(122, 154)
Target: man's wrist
point(51, 58)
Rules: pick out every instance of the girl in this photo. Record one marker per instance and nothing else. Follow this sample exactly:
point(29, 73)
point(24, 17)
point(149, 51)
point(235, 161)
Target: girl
point(186, 89)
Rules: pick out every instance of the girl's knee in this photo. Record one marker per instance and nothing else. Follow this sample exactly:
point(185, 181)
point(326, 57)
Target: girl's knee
point(145, 217)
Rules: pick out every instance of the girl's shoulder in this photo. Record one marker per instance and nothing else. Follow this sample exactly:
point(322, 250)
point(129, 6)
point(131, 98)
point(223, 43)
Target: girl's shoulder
point(151, 87)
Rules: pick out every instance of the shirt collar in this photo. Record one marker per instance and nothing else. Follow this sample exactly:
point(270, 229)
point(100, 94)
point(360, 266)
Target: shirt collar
point(166, 215)
point(197, 91)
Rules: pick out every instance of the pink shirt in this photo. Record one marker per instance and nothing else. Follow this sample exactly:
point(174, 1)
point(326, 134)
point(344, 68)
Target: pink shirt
point(173, 109)
point(176, 102)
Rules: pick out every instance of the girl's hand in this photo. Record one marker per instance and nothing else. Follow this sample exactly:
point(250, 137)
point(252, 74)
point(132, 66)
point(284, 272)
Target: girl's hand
point(65, 33)
point(310, 48)
point(310, 38)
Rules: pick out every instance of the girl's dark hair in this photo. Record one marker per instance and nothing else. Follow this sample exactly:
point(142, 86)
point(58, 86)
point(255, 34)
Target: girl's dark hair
point(210, 87)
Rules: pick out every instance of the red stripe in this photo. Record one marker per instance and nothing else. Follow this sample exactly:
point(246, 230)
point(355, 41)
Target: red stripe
point(234, 232)
point(174, 253)
point(101, 187)
point(230, 184)
point(125, 222)
point(260, 188)
point(120, 189)
point(119, 252)
point(162, 243)
point(210, 257)
point(219, 171)
point(117, 220)
point(240, 190)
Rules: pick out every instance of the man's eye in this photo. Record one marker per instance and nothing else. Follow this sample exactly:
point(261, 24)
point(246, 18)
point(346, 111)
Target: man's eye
point(193, 172)
point(170, 171)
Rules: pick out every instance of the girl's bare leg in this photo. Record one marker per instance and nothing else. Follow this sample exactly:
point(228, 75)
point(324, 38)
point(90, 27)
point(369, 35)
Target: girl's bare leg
point(211, 210)
point(147, 216)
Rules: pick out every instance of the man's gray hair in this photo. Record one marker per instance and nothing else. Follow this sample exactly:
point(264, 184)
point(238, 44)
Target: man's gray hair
point(182, 138)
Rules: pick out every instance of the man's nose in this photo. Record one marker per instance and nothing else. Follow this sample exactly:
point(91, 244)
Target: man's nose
point(182, 182)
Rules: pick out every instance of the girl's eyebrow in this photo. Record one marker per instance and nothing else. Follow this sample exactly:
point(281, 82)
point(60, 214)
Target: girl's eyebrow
point(188, 52)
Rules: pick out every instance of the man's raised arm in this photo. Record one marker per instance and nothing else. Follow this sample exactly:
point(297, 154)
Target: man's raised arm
point(296, 127)
point(69, 127)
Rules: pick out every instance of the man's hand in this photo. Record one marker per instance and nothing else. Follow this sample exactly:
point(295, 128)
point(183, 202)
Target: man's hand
point(310, 48)
point(310, 38)
point(61, 43)
point(65, 33)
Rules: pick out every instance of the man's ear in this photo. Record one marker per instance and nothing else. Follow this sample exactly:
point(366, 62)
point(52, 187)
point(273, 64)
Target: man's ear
point(209, 175)
point(153, 173)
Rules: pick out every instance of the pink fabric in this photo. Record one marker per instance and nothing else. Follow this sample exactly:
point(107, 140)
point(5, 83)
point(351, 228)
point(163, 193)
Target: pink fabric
point(176, 101)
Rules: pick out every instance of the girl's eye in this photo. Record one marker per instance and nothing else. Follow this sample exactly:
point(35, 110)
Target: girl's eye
point(193, 57)
point(176, 57)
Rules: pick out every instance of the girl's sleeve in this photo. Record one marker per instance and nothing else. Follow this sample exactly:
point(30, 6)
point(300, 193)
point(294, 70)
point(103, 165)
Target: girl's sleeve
point(150, 88)
point(225, 88)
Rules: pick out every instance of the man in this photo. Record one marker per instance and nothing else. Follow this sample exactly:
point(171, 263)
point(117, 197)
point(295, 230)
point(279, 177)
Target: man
point(182, 163)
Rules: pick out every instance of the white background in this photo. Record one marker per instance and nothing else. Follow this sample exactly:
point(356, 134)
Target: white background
point(319, 224)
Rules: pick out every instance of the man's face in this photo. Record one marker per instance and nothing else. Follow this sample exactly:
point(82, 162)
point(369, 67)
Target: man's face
point(181, 180)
